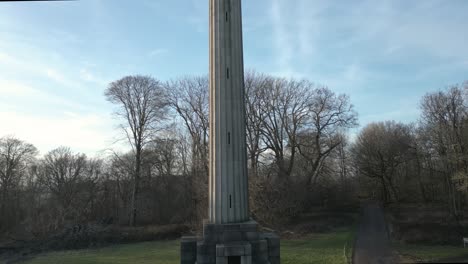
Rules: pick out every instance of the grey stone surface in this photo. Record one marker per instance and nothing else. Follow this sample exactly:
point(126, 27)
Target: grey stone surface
point(188, 250)
point(228, 179)
point(221, 241)
point(273, 241)
point(233, 249)
point(250, 236)
point(228, 232)
point(221, 260)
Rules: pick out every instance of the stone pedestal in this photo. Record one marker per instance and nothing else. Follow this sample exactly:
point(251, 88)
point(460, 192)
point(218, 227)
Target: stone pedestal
point(231, 243)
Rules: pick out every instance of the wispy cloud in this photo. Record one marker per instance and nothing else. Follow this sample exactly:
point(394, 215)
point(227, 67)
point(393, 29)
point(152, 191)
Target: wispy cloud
point(296, 32)
point(56, 76)
point(198, 15)
point(10, 89)
point(84, 133)
point(157, 52)
point(407, 114)
point(31, 66)
point(349, 78)
point(37, 100)
point(431, 27)
point(87, 76)
point(282, 41)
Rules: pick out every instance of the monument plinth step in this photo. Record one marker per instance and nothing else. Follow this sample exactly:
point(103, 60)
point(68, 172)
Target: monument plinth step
point(223, 241)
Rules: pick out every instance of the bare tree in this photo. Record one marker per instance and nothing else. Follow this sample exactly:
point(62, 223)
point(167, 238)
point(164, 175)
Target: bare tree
point(285, 104)
point(381, 152)
point(189, 99)
point(343, 162)
point(164, 154)
point(444, 116)
point(255, 89)
point(330, 115)
point(121, 174)
point(66, 175)
point(15, 157)
point(183, 148)
point(141, 102)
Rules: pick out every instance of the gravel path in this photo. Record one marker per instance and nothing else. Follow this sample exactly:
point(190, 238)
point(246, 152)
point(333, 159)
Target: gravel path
point(372, 244)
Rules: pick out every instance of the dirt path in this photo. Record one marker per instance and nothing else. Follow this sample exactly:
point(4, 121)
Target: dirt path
point(372, 243)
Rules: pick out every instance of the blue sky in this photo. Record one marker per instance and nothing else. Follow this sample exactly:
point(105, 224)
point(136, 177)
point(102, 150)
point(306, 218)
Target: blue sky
point(57, 58)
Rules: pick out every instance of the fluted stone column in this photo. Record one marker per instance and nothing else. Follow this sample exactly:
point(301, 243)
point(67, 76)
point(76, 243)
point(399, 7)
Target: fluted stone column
point(228, 180)
point(229, 235)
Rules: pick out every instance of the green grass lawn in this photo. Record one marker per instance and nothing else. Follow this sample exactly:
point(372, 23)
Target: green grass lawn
point(412, 252)
point(147, 252)
point(320, 248)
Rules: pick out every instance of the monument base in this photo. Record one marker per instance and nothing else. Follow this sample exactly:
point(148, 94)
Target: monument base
point(237, 243)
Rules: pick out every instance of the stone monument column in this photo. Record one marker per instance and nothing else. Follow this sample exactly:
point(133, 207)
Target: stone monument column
point(228, 178)
point(229, 235)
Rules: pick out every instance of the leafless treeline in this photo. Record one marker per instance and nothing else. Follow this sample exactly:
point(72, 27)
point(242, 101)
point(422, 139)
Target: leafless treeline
point(293, 131)
point(299, 156)
point(422, 162)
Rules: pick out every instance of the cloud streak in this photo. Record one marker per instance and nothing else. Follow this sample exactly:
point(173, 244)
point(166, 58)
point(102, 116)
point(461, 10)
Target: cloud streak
point(158, 52)
point(282, 42)
point(84, 133)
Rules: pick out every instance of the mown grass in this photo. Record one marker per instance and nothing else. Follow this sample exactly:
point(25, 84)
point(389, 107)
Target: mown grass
point(426, 253)
point(161, 252)
point(319, 248)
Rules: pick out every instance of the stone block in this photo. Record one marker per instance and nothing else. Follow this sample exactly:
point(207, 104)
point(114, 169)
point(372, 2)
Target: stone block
point(185, 259)
point(272, 239)
point(208, 229)
point(206, 259)
point(231, 236)
point(273, 245)
point(235, 227)
point(188, 250)
point(211, 238)
point(221, 260)
point(274, 260)
point(259, 248)
point(274, 251)
point(219, 228)
point(206, 248)
point(212, 229)
point(255, 246)
point(234, 251)
point(263, 246)
point(189, 239)
point(188, 247)
point(219, 250)
point(260, 258)
point(248, 250)
point(250, 226)
point(246, 260)
point(221, 241)
point(250, 236)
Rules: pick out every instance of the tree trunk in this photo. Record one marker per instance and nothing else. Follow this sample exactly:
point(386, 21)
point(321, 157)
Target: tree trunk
point(420, 183)
point(384, 191)
point(136, 181)
point(253, 163)
point(3, 202)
